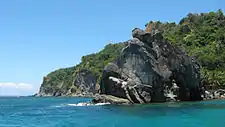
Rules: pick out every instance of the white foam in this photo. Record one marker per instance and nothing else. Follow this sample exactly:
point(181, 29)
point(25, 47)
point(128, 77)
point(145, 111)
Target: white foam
point(102, 104)
point(80, 104)
point(87, 104)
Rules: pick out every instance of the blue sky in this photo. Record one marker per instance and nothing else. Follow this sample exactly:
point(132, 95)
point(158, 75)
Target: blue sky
point(39, 36)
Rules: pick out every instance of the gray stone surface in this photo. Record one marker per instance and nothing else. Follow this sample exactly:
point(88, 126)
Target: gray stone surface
point(150, 69)
point(110, 99)
point(84, 84)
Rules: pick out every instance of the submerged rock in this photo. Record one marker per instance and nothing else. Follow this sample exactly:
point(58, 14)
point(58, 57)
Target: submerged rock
point(150, 69)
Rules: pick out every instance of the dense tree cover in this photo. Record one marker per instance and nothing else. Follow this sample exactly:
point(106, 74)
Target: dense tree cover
point(203, 37)
point(59, 80)
point(96, 62)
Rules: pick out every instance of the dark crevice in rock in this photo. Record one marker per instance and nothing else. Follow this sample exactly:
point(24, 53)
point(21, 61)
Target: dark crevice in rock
point(132, 96)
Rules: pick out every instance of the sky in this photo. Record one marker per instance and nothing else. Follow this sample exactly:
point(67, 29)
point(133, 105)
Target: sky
point(40, 36)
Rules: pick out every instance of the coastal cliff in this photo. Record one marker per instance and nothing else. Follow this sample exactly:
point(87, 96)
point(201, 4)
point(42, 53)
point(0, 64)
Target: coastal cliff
point(82, 79)
point(66, 82)
point(164, 62)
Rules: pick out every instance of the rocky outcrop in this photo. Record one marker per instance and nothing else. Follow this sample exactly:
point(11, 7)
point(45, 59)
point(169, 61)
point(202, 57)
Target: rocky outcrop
point(79, 84)
point(150, 69)
point(214, 94)
point(110, 99)
point(86, 81)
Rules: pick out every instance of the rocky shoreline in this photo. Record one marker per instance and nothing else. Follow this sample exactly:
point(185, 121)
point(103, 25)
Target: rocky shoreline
point(213, 95)
point(89, 95)
point(209, 95)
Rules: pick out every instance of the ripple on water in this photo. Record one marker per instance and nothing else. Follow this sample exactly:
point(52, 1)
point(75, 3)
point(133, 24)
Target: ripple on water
point(69, 112)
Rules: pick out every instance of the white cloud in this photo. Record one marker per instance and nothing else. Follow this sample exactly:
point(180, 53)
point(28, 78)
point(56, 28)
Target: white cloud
point(16, 89)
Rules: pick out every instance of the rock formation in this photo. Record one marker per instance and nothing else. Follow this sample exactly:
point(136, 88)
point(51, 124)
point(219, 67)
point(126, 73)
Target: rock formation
point(82, 83)
point(150, 69)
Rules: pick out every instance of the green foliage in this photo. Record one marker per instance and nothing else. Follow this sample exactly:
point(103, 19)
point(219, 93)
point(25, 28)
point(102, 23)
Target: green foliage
point(63, 79)
point(96, 62)
point(59, 79)
point(203, 36)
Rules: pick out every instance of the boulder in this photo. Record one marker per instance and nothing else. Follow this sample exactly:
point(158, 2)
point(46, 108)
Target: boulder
point(220, 93)
point(214, 94)
point(138, 33)
point(110, 99)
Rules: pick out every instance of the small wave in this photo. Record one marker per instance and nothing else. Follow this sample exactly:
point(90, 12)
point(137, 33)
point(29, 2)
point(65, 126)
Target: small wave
point(88, 104)
point(58, 106)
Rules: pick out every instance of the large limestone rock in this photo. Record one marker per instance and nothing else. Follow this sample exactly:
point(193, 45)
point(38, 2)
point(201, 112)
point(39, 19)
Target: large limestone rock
point(150, 69)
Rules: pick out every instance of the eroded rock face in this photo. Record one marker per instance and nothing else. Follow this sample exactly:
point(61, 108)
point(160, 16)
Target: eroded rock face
point(86, 81)
point(82, 84)
point(150, 69)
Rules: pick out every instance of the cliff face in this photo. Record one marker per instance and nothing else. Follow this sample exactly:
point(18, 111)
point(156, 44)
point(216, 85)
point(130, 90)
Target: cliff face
point(150, 69)
point(54, 82)
point(82, 83)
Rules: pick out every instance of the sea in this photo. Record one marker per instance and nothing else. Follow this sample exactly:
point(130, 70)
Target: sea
point(73, 112)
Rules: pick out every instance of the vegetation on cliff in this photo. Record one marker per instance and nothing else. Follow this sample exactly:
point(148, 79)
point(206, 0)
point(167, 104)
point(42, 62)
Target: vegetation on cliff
point(62, 80)
point(96, 62)
point(201, 35)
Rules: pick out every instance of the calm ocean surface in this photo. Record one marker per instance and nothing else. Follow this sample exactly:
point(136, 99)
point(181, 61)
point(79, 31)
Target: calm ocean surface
point(62, 112)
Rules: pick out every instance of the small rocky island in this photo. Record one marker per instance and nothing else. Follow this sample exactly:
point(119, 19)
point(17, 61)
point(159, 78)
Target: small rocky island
point(164, 62)
point(150, 69)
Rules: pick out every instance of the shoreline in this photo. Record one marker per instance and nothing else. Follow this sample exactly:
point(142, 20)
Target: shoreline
point(78, 96)
point(209, 95)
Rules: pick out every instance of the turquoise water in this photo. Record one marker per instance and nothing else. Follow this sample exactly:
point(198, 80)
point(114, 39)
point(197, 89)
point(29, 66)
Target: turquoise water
point(61, 112)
